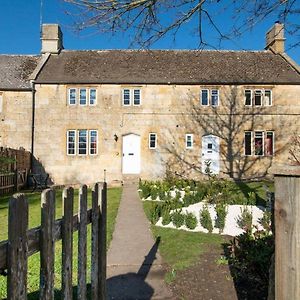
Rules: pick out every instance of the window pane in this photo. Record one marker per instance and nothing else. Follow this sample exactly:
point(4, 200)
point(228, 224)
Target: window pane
point(248, 98)
point(71, 142)
point(72, 96)
point(204, 97)
point(82, 142)
point(82, 97)
point(214, 97)
point(93, 142)
point(258, 98)
point(152, 140)
point(189, 141)
point(248, 138)
point(268, 97)
point(126, 97)
point(136, 97)
point(258, 143)
point(270, 143)
point(92, 96)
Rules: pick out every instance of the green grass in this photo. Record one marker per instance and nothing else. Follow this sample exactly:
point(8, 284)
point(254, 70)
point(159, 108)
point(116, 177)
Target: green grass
point(180, 249)
point(114, 196)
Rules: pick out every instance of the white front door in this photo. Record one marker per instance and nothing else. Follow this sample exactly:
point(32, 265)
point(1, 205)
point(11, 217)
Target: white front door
point(210, 154)
point(131, 163)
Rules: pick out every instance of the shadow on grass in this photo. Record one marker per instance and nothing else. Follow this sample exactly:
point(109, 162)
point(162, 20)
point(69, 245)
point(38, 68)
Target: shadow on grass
point(249, 263)
point(124, 286)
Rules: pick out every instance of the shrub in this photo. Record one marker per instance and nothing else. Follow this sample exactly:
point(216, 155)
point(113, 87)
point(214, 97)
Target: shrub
point(190, 221)
point(221, 210)
point(178, 219)
point(145, 189)
point(265, 221)
point(205, 219)
point(155, 213)
point(166, 217)
point(162, 195)
point(251, 198)
point(154, 193)
point(244, 221)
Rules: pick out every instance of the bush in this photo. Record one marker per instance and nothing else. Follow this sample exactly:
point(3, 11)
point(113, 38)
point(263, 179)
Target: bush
point(265, 221)
point(154, 193)
point(190, 221)
point(178, 219)
point(166, 218)
point(155, 213)
point(244, 221)
point(251, 198)
point(205, 219)
point(221, 210)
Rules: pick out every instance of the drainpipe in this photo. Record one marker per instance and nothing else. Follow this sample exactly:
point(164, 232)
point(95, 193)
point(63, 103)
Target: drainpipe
point(32, 124)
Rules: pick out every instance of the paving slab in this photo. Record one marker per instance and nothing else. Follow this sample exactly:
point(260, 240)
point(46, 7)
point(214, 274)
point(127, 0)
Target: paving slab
point(134, 267)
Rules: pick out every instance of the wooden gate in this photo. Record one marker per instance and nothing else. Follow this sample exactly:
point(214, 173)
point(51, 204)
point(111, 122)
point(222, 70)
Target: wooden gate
point(23, 243)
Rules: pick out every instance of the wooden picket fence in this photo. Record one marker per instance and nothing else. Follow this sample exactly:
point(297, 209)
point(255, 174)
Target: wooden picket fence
point(23, 243)
point(13, 181)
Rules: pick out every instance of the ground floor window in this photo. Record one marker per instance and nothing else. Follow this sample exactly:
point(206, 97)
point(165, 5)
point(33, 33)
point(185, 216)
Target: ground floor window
point(189, 141)
point(82, 142)
point(259, 143)
point(152, 140)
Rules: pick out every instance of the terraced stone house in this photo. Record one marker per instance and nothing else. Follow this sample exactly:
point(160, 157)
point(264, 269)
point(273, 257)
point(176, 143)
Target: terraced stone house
point(150, 113)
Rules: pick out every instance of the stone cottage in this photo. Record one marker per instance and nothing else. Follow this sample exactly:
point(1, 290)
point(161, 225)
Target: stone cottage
point(150, 113)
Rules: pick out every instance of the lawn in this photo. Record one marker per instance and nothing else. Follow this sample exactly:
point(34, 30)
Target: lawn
point(114, 196)
point(179, 248)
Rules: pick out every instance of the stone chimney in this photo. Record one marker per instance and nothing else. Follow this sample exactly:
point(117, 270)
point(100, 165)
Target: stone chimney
point(275, 38)
point(51, 38)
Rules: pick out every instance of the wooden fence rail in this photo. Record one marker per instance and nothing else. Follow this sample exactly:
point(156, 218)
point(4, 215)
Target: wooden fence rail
point(13, 181)
point(23, 243)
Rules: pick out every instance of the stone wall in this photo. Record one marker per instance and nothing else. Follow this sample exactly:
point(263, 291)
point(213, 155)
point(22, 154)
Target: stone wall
point(169, 111)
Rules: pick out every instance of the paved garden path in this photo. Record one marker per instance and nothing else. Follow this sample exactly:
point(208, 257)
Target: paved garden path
point(134, 266)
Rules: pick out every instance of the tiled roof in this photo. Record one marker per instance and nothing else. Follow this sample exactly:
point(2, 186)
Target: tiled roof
point(15, 70)
point(168, 66)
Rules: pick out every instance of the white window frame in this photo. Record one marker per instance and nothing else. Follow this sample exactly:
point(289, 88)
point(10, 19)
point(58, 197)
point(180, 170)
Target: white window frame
point(251, 97)
point(140, 94)
point(262, 97)
point(186, 141)
point(273, 142)
point(87, 142)
point(251, 143)
point(263, 143)
point(90, 141)
point(123, 93)
point(89, 97)
point(266, 99)
point(75, 142)
point(218, 97)
point(86, 96)
point(207, 97)
point(155, 140)
point(69, 98)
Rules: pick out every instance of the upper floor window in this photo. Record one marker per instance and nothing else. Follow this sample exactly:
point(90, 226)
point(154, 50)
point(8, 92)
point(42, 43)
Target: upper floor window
point(259, 143)
point(257, 97)
point(189, 141)
point(152, 140)
point(209, 97)
point(82, 142)
point(82, 96)
point(131, 97)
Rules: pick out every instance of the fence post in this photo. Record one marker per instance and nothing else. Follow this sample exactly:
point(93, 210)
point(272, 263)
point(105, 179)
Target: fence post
point(82, 248)
point(287, 232)
point(95, 242)
point(102, 239)
point(47, 242)
point(67, 243)
point(17, 247)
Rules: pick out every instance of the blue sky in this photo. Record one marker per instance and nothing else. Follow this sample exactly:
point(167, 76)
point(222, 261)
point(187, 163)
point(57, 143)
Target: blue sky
point(20, 31)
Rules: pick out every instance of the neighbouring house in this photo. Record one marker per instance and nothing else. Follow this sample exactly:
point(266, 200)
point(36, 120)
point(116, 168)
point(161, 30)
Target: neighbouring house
point(150, 113)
